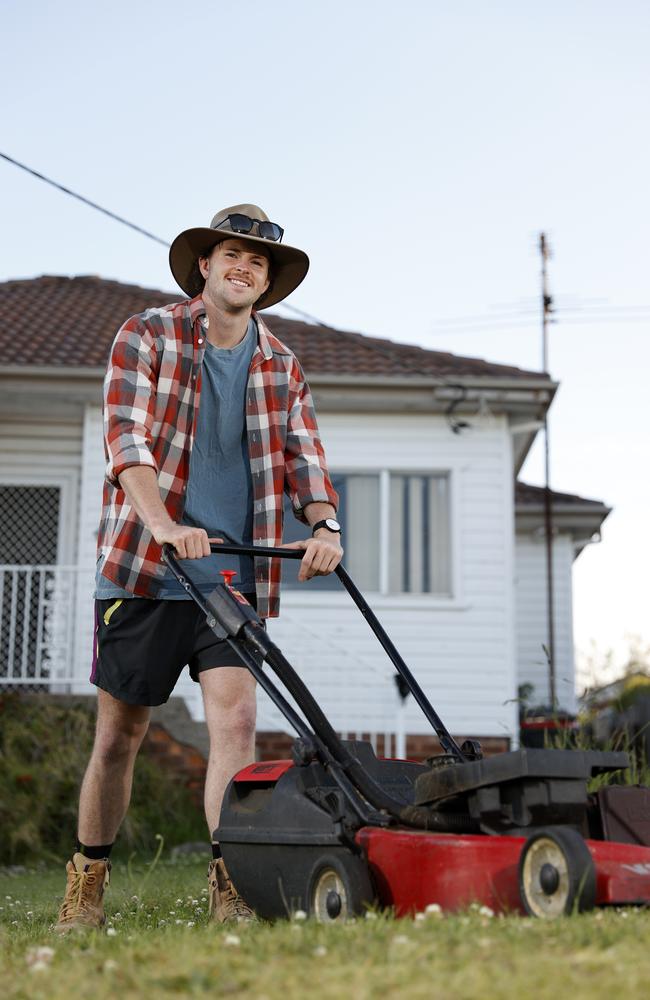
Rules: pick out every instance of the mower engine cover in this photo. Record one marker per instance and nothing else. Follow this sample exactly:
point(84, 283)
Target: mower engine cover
point(511, 793)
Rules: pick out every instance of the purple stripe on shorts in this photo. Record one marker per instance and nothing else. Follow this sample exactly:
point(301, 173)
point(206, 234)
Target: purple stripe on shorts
point(93, 669)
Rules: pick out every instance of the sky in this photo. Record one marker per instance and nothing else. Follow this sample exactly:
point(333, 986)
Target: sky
point(415, 150)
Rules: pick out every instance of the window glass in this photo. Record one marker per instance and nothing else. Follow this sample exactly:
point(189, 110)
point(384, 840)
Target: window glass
point(361, 531)
point(419, 556)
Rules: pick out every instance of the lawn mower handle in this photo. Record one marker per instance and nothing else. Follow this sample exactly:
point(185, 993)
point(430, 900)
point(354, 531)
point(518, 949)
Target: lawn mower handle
point(447, 741)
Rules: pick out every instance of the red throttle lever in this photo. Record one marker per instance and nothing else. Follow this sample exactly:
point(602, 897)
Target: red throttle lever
point(228, 575)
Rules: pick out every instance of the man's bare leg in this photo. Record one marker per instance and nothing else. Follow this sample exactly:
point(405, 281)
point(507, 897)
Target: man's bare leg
point(105, 795)
point(230, 711)
point(106, 788)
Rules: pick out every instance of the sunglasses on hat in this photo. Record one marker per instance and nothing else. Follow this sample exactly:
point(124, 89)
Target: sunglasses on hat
point(244, 224)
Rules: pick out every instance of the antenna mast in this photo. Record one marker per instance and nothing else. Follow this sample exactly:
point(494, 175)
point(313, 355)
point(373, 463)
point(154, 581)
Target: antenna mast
point(547, 309)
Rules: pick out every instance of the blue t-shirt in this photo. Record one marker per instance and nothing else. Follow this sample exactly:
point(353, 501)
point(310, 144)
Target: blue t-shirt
point(219, 494)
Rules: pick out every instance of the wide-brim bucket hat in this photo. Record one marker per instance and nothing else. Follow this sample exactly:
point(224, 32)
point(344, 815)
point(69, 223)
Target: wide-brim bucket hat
point(288, 264)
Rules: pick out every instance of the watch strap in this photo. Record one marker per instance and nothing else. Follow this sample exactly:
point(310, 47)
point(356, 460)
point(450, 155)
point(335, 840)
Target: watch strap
point(324, 524)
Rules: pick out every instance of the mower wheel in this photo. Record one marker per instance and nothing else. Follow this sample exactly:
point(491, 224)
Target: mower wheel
point(339, 888)
point(556, 873)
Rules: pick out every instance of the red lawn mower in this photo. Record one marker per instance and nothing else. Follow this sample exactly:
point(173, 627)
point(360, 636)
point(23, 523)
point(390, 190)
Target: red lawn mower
point(336, 830)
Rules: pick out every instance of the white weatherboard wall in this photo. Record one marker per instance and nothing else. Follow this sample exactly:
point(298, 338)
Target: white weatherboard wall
point(89, 511)
point(461, 650)
point(532, 626)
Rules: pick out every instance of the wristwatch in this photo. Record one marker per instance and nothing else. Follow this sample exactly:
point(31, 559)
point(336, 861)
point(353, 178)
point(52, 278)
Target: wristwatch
point(328, 522)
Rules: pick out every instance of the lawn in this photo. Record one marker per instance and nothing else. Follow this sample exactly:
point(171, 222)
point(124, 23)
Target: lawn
point(159, 943)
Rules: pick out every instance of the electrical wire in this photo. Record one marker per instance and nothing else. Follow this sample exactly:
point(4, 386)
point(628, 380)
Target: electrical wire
point(125, 222)
point(508, 318)
point(86, 201)
point(455, 424)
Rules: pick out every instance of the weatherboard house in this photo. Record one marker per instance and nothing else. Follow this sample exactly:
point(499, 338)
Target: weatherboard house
point(424, 448)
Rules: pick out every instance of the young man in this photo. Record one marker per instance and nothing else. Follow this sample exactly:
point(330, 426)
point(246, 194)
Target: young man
point(208, 419)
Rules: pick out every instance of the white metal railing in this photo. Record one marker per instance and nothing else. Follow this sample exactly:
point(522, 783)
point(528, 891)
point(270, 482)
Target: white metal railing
point(37, 621)
point(390, 743)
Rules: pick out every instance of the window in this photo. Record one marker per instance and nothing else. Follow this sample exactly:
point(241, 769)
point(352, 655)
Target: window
point(411, 510)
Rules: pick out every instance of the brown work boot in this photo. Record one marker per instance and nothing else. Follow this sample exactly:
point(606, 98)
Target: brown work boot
point(226, 905)
point(83, 905)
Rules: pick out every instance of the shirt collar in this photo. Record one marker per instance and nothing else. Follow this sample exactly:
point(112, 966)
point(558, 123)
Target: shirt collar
point(197, 308)
point(263, 337)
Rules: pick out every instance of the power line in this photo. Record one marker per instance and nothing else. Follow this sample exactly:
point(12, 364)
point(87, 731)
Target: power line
point(125, 222)
point(86, 201)
point(504, 318)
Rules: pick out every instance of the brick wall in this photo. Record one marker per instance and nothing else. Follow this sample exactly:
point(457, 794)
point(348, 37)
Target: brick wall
point(276, 746)
point(185, 762)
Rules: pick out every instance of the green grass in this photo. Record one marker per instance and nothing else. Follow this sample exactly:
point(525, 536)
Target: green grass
point(163, 946)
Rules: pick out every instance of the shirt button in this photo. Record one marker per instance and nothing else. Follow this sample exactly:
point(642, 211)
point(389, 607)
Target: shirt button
point(200, 340)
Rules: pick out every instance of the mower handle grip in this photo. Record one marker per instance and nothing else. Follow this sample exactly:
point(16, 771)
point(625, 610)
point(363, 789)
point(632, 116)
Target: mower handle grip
point(256, 550)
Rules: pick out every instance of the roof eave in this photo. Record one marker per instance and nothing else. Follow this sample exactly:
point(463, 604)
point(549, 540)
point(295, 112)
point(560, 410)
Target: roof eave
point(330, 378)
point(54, 371)
point(582, 522)
point(450, 381)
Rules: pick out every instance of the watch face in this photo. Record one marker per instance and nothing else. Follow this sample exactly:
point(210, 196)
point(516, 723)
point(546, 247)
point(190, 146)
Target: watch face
point(332, 524)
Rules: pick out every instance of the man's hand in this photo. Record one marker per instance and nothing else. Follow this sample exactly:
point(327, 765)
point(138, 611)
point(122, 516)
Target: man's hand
point(188, 543)
point(322, 555)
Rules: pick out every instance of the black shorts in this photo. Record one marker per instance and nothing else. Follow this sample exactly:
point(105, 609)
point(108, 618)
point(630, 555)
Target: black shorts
point(142, 646)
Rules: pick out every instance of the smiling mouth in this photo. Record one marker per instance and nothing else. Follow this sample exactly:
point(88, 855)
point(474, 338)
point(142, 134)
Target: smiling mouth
point(238, 283)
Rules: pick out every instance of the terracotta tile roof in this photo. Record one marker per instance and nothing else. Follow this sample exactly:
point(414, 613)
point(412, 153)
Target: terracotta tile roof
point(61, 321)
point(533, 496)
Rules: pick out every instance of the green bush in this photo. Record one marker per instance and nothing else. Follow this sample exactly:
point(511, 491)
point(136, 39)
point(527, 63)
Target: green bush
point(44, 749)
point(634, 687)
point(581, 738)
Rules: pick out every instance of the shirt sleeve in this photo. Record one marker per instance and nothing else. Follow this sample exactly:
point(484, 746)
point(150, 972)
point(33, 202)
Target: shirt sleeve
point(306, 477)
point(129, 399)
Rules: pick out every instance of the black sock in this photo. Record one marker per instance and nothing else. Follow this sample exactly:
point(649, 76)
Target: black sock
point(95, 853)
point(216, 850)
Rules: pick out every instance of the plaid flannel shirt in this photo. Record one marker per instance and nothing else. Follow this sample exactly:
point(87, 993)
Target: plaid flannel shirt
point(151, 401)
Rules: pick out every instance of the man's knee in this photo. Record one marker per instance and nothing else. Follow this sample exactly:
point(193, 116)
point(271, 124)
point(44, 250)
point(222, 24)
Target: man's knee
point(119, 743)
point(238, 720)
point(232, 717)
point(120, 730)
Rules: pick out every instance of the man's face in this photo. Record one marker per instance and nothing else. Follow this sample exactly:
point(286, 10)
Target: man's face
point(235, 275)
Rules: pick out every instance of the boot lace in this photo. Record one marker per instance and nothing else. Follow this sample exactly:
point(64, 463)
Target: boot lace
point(234, 904)
point(78, 895)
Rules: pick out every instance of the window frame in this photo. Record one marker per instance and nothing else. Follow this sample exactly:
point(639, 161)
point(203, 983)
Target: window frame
point(383, 597)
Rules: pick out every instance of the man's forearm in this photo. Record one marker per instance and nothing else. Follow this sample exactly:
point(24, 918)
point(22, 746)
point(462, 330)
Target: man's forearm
point(318, 511)
point(140, 484)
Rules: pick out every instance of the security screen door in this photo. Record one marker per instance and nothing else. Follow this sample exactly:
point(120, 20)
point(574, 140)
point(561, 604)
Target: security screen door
point(29, 531)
